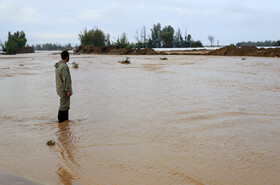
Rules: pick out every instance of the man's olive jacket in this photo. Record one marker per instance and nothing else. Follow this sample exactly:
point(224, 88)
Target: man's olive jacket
point(63, 79)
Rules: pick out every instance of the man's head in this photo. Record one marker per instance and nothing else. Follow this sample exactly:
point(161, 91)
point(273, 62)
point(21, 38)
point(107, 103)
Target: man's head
point(65, 56)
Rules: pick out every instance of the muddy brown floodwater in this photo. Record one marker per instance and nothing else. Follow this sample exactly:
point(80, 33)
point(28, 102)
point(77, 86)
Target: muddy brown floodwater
point(186, 120)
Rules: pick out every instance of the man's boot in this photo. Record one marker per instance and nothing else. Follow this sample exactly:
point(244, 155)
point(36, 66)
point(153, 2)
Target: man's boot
point(66, 115)
point(62, 116)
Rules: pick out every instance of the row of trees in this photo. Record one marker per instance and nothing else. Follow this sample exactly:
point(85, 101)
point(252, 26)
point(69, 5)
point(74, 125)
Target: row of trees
point(49, 46)
point(259, 43)
point(165, 37)
point(15, 42)
point(160, 37)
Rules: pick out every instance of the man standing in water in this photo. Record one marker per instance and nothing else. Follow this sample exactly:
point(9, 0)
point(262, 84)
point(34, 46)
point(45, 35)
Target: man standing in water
point(63, 86)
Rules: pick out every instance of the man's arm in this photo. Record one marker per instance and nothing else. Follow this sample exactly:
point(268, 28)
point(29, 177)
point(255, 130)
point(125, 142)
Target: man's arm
point(66, 77)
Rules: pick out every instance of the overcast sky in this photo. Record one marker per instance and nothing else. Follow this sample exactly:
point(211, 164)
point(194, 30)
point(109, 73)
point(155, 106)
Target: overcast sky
point(60, 21)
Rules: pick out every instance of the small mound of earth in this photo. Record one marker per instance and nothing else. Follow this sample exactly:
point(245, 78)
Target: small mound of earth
point(246, 51)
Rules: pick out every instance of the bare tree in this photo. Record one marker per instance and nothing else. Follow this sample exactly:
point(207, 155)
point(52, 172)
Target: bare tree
point(186, 34)
point(137, 36)
point(211, 39)
point(138, 39)
point(107, 40)
point(144, 35)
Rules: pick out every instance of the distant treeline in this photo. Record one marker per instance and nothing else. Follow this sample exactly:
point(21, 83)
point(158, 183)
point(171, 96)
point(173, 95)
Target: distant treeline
point(259, 43)
point(49, 46)
point(158, 37)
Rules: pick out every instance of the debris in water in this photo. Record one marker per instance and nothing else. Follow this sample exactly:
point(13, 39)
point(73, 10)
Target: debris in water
point(75, 65)
point(243, 58)
point(51, 142)
point(163, 58)
point(126, 61)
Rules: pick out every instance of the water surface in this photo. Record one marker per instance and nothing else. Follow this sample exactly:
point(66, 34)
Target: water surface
point(186, 120)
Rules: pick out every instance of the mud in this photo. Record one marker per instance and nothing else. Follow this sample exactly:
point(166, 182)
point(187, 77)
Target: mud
point(27, 49)
point(186, 120)
point(115, 50)
point(246, 51)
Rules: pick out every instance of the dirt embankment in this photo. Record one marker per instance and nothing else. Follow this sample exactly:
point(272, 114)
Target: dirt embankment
point(27, 49)
point(246, 51)
point(225, 51)
point(115, 50)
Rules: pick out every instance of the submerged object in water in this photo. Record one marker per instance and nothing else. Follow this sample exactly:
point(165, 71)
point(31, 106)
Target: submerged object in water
point(163, 58)
point(51, 142)
point(126, 61)
point(75, 65)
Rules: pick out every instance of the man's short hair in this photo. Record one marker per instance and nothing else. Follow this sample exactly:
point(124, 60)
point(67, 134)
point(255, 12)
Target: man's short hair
point(64, 55)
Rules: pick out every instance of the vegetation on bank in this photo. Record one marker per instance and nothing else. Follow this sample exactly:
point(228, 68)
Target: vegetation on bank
point(267, 43)
point(50, 46)
point(94, 37)
point(159, 38)
point(16, 43)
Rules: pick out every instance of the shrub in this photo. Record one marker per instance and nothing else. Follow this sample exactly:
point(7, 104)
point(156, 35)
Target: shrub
point(15, 42)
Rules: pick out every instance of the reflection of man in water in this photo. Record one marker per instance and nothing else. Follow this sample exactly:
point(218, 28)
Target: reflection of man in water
point(65, 138)
point(63, 86)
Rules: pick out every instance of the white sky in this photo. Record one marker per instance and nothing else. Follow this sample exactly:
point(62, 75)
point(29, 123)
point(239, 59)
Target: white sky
point(60, 21)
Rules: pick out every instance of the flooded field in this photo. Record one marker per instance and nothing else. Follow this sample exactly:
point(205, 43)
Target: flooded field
point(185, 120)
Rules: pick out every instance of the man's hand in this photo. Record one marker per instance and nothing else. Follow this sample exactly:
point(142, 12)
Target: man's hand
point(69, 94)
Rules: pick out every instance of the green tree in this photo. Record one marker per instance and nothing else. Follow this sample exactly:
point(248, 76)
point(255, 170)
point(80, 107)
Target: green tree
point(11, 47)
point(188, 41)
point(94, 37)
point(15, 42)
point(166, 35)
point(178, 39)
point(196, 44)
point(122, 42)
point(150, 44)
point(20, 38)
point(155, 40)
